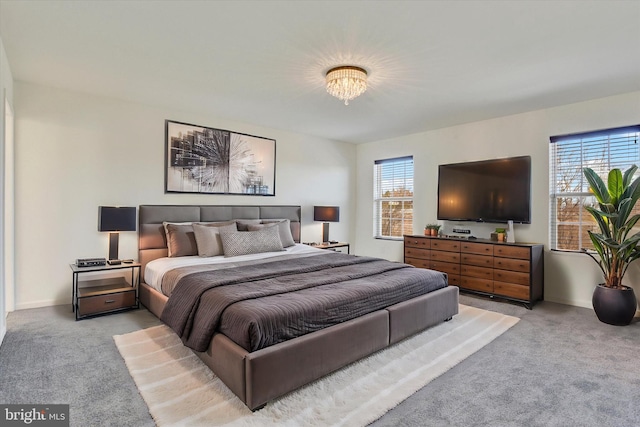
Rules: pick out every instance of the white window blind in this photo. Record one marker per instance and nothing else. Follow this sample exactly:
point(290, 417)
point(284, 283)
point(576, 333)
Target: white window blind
point(393, 197)
point(569, 190)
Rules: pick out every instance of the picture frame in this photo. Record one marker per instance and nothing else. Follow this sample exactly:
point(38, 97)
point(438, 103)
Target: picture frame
point(200, 159)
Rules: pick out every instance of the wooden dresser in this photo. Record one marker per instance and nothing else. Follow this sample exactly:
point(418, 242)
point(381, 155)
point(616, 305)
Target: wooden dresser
point(513, 271)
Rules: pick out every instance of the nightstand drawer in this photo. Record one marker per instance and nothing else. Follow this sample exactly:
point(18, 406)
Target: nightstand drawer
point(107, 302)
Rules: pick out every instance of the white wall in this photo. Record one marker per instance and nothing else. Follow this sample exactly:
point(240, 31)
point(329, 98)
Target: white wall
point(569, 278)
point(6, 190)
point(75, 152)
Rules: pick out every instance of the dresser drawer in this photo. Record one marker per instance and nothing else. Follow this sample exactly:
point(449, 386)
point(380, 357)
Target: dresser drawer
point(107, 302)
point(475, 284)
point(445, 267)
point(511, 277)
point(479, 260)
point(512, 264)
point(454, 279)
point(445, 245)
point(477, 248)
point(475, 271)
point(512, 251)
point(445, 256)
point(416, 262)
point(417, 242)
point(511, 290)
point(417, 253)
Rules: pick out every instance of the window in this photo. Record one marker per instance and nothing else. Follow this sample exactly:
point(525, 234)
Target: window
point(393, 198)
point(569, 190)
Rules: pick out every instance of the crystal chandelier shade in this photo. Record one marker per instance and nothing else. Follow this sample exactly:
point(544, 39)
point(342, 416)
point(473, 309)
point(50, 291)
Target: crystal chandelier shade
point(346, 82)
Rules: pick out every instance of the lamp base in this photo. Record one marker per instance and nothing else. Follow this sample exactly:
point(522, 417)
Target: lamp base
point(325, 232)
point(113, 248)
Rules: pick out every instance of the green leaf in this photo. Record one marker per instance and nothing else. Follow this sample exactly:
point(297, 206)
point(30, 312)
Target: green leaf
point(615, 185)
point(624, 210)
point(632, 191)
point(600, 218)
point(628, 175)
point(601, 251)
point(596, 185)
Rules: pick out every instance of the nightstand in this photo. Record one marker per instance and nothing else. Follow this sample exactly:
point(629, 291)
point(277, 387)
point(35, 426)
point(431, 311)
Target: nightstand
point(331, 246)
point(95, 297)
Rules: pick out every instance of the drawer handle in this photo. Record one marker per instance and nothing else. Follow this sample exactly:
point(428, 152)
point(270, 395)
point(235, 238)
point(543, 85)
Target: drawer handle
point(109, 301)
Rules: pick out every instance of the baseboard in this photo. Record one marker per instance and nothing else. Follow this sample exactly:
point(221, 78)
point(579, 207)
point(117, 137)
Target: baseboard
point(584, 304)
point(41, 303)
point(575, 303)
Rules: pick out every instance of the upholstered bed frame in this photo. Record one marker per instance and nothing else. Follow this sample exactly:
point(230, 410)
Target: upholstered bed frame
point(260, 376)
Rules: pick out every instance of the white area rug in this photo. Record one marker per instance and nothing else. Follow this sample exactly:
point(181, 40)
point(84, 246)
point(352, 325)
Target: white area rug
point(180, 390)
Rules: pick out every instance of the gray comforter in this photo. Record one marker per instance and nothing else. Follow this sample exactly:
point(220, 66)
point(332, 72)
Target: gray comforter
point(260, 305)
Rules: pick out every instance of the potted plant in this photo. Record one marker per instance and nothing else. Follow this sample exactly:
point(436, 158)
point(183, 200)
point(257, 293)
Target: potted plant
point(431, 229)
point(500, 233)
point(613, 302)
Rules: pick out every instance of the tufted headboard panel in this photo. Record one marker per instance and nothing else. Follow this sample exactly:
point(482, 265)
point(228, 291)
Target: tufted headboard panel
point(152, 241)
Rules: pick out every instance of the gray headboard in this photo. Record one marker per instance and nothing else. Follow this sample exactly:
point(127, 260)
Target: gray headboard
point(152, 242)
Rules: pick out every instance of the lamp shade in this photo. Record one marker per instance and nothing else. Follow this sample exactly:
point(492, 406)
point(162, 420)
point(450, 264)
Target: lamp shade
point(111, 218)
point(326, 213)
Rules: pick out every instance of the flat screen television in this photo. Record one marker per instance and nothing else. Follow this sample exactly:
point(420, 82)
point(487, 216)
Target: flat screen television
point(495, 190)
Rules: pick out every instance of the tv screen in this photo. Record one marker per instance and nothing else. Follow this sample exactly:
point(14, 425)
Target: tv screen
point(487, 191)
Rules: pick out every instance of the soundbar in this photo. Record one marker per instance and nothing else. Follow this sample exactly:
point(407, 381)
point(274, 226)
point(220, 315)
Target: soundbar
point(90, 262)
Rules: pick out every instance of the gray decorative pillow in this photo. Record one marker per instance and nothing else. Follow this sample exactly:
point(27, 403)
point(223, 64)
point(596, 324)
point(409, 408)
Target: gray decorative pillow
point(208, 238)
point(251, 242)
point(243, 224)
point(180, 240)
point(284, 229)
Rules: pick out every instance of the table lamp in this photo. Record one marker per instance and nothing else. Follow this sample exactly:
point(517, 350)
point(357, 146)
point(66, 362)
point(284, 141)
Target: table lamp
point(115, 219)
point(326, 214)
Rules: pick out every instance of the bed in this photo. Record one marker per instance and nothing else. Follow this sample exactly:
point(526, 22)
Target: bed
point(270, 366)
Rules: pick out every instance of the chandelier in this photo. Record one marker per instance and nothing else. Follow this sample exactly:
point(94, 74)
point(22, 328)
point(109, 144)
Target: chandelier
point(346, 82)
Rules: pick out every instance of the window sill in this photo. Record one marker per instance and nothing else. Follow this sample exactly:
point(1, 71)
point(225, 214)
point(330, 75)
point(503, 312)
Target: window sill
point(395, 239)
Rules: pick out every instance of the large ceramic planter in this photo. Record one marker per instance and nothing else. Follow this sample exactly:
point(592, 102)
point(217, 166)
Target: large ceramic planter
point(614, 306)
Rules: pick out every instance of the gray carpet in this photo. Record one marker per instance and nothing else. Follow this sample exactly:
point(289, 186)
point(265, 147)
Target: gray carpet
point(559, 366)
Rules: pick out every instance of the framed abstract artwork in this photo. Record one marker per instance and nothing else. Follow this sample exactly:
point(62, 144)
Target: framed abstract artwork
point(199, 159)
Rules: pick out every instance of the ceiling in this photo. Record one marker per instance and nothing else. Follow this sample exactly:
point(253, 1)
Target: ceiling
point(431, 64)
